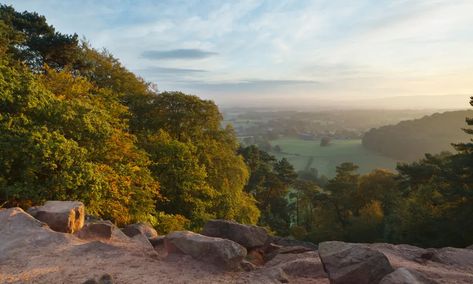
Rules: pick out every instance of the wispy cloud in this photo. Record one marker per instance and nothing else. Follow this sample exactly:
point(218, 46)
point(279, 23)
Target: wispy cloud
point(177, 54)
point(170, 71)
point(299, 49)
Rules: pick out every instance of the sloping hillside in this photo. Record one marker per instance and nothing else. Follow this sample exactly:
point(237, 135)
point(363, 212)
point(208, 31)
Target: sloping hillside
point(410, 140)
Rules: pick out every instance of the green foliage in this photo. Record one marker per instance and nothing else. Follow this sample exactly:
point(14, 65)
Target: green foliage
point(218, 173)
point(182, 178)
point(350, 207)
point(165, 223)
point(68, 147)
point(36, 43)
point(410, 140)
point(269, 184)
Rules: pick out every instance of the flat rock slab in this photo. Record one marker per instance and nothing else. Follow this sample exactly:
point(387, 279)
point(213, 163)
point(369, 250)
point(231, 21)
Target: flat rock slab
point(61, 216)
point(353, 263)
point(248, 236)
point(220, 252)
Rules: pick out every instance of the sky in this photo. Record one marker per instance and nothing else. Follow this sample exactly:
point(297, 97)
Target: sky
point(285, 52)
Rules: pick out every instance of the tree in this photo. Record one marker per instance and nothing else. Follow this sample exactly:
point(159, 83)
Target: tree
point(184, 188)
point(325, 141)
point(269, 183)
point(37, 42)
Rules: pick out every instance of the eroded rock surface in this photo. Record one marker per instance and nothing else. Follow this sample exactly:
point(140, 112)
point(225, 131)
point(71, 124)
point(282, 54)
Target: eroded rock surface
point(353, 263)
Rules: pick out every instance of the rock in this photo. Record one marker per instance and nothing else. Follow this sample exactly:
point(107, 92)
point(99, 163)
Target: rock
point(285, 258)
point(300, 265)
point(61, 216)
point(142, 241)
point(140, 228)
point(246, 235)
point(454, 257)
point(19, 230)
point(271, 253)
point(304, 267)
point(157, 241)
point(469, 247)
point(220, 252)
point(105, 279)
point(287, 242)
point(405, 276)
point(353, 263)
point(247, 266)
point(277, 274)
point(101, 230)
point(256, 256)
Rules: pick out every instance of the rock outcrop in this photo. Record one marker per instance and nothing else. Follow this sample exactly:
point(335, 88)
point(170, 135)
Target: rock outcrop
point(140, 228)
point(353, 263)
point(101, 230)
point(30, 252)
point(220, 252)
point(61, 216)
point(246, 235)
point(19, 230)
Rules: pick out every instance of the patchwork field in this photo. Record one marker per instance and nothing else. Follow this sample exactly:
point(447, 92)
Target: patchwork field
point(309, 154)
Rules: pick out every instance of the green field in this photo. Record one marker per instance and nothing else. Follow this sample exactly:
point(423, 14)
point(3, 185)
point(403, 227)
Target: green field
point(309, 154)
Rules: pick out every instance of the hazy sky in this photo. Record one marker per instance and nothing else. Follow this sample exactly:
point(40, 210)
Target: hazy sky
point(249, 51)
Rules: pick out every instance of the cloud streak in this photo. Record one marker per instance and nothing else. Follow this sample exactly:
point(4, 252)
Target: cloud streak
point(177, 54)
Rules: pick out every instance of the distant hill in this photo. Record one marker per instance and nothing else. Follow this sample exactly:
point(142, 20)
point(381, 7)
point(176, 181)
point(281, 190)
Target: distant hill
point(410, 140)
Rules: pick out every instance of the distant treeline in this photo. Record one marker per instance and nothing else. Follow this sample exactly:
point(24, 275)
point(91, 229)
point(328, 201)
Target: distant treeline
point(410, 140)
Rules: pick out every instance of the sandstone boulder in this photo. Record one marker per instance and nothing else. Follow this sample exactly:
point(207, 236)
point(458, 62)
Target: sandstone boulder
point(405, 276)
point(353, 263)
point(140, 228)
point(221, 252)
point(101, 230)
point(61, 216)
point(246, 235)
point(304, 268)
